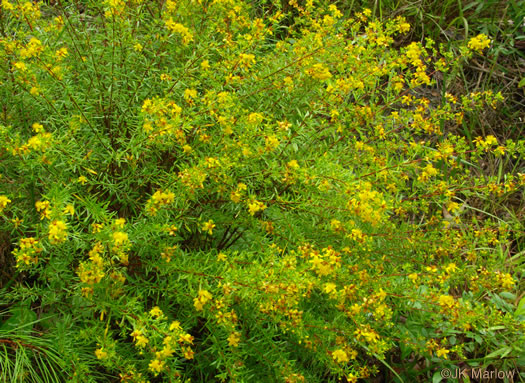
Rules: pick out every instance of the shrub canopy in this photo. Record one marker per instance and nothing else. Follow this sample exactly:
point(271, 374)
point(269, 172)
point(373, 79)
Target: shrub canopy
point(221, 191)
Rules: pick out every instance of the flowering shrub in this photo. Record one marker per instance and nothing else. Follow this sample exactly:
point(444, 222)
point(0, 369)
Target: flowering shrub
point(210, 190)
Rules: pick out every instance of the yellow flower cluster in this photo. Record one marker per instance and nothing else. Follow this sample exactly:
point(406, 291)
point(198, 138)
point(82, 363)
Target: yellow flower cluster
point(428, 172)
point(505, 280)
point(487, 143)
point(25, 10)
point(120, 245)
point(3, 202)
point(100, 353)
point(479, 43)
point(156, 312)
point(340, 356)
point(203, 297)
point(246, 60)
point(57, 232)
point(158, 200)
point(39, 142)
point(163, 119)
point(324, 262)
point(414, 54)
point(114, 8)
point(236, 195)
point(27, 252)
point(234, 338)
point(193, 178)
point(446, 301)
point(185, 33)
point(208, 227)
point(255, 206)
point(168, 253)
point(140, 339)
point(368, 204)
point(319, 71)
point(32, 49)
point(174, 339)
point(92, 272)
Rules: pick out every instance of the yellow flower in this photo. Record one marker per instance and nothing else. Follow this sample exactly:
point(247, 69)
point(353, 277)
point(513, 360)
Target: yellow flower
point(255, 206)
point(190, 94)
point(205, 65)
point(340, 356)
point(204, 294)
point(235, 196)
point(119, 238)
point(156, 312)
point(479, 43)
point(234, 339)
point(168, 253)
point(156, 366)
point(208, 226)
point(136, 333)
point(61, 53)
point(7, 5)
point(246, 60)
point(186, 338)
point(335, 12)
point(43, 207)
point(499, 151)
point(100, 353)
point(167, 351)
point(16, 221)
point(188, 352)
point(163, 198)
point(97, 227)
point(254, 118)
point(120, 222)
point(37, 128)
point(82, 180)
point(505, 280)
point(450, 268)
point(28, 251)
point(202, 299)
point(293, 164)
point(87, 292)
point(20, 66)
point(442, 352)
point(319, 71)
point(404, 27)
point(446, 301)
point(142, 341)
point(180, 29)
point(3, 202)
point(69, 209)
point(57, 232)
point(370, 335)
point(175, 325)
point(329, 287)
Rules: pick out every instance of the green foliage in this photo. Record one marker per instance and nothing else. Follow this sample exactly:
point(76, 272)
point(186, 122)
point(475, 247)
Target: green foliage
point(221, 191)
point(24, 356)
